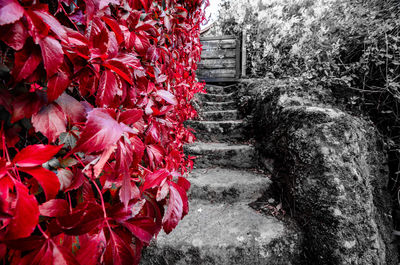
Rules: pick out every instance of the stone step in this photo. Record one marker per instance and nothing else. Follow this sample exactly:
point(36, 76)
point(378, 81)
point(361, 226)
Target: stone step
point(227, 185)
point(222, 154)
point(208, 131)
point(214, 89)
point(225, 234)
point(216, 97)
point(220, 115)
point(212, 106)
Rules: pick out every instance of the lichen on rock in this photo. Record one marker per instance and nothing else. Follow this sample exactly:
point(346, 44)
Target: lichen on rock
point(331, 167)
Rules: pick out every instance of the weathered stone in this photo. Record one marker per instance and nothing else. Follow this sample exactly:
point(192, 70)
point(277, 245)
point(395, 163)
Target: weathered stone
point(223, 154)
point(227, 185)
point(226, 105)
point(220, 115)
point(226, 234)
point(330, 166)
point(218, 130)
point(214, 89)
point(217, 97)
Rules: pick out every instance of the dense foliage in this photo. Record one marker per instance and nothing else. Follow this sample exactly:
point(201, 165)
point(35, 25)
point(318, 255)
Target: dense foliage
point(93, 96)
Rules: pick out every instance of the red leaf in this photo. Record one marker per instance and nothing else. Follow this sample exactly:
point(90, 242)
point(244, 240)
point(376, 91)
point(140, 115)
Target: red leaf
point(167, 96)
point(138, 149)
point(91, 249)
point(72, 108)
point(98, 168)
point(54, 208)
point(62, 256)
point(103, 3)
point(46, 178)
point(53, 23)
point(50, 121)
point(146, 4)
point(134, 226)
point(15, 35)
point(118, 252)
point(82, 221)
point(115, 28)
point(130, 116)
point(155, 179)
point(77, 180)
point(35, 155)
point(57, 85)
point(53, 55)
point(65, 177)
point(25, 106)
point(25, 62)
point(140, 43)
point(10, 11)
point(155, 154)
point(152, 54)
point(184, 183)
point(120, 69)
point(183, 194)
point(108, 89)
point(174, 211)
point(101, 131)
point(26, 215)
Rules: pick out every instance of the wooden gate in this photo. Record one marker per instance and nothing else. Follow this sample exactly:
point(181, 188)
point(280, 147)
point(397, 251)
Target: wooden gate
point(221, 59)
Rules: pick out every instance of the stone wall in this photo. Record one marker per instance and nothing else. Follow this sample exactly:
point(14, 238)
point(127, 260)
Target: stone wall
point(331, 169)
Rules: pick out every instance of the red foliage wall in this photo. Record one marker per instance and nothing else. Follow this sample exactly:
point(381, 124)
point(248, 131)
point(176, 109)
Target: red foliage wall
point(93, 96)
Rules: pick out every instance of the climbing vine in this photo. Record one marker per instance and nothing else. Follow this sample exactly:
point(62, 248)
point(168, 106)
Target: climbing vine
point(93, 96)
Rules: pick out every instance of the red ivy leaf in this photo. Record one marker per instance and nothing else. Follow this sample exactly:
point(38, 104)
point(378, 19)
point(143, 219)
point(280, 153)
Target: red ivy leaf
point(54, 208)
point(10, 11)
point(118, 252)
point(101, 131)
point(46, 178)
point(130, 116)
point(167, 96)
point(50, 121)
point(174, 210)
point(52, 53)
point(115, 28)
point(108, 89)
point(25, 62)
point(72, 108)
point(57, 85)
point(155, 179)
point(90, 249)
point(26, 215)
point(135, 227)
point(15, 35)
point(35, 155)
point(25, 106)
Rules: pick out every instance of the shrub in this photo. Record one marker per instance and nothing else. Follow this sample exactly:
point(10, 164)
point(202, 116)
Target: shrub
point(93, 98)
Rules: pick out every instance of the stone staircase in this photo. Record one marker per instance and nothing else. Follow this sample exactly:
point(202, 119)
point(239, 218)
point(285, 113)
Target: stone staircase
point(221, 228)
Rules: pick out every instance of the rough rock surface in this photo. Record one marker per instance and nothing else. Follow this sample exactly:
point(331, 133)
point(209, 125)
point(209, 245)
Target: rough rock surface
point(225, 234)
point(331, 168)
point(227, 185)
point(223, 154)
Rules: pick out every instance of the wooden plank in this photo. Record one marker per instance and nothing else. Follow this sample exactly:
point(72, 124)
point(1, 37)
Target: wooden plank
point(237, 59)
point(229, 72)
point(219, 80)
point(218, 54)
point(217, 63)
point(244, 58)
point(220, 44)
point(224, 37)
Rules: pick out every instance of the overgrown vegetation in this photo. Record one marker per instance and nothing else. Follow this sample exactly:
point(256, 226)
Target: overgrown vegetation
point(93, 96)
